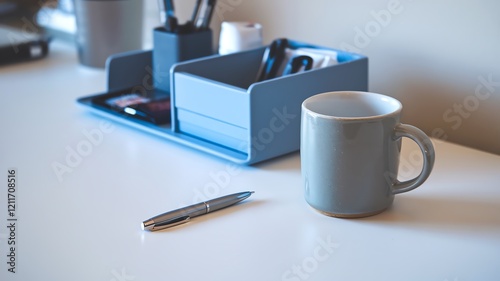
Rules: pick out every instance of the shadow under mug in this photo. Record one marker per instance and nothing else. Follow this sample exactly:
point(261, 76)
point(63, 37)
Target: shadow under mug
point(350, 149)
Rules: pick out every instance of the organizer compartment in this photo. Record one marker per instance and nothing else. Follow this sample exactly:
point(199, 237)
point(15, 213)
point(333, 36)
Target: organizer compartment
point(216, 100)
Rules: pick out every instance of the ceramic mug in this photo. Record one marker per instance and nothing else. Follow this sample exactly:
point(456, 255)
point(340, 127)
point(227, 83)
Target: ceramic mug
point(350, 148)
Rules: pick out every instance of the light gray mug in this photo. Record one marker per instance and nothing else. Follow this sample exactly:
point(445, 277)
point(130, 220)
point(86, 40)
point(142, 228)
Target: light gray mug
point(350, 148)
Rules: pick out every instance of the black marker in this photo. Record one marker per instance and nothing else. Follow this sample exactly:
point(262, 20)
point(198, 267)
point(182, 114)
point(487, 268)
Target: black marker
point(171, 20)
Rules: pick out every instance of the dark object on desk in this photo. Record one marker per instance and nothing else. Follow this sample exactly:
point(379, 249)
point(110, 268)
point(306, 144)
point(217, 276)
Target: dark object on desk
point(17, 45)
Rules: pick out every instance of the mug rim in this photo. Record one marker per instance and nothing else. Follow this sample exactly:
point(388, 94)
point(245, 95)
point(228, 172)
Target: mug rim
point(344, 118)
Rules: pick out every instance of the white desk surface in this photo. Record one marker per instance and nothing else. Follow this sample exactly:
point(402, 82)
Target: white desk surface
point(87, 226)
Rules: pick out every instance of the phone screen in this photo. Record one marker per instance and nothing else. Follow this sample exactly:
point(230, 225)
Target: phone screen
point(153, 107)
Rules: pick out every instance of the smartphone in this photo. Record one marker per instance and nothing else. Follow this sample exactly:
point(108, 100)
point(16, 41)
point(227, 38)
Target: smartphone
point(153, 106)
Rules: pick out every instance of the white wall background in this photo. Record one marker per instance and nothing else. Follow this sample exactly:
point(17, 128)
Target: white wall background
point(434, 56)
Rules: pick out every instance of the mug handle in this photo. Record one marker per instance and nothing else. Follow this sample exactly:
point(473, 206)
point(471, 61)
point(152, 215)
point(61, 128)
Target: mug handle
point(425, 144)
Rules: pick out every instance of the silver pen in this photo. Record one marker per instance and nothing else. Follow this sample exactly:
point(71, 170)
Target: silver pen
point(183, 215)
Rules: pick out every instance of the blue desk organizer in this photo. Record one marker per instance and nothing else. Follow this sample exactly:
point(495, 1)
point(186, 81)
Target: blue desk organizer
point(219, 109)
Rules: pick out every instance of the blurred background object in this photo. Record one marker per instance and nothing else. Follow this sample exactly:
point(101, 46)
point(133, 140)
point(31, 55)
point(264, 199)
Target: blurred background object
point(107, 27)
point(239, 36)
point(17, 45)
point(51, 17)
point(58, 20)
point(99, 28)
point(13, 11)
point(21, 39)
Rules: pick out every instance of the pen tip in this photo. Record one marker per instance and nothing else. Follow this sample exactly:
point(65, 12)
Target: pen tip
point(147, 225)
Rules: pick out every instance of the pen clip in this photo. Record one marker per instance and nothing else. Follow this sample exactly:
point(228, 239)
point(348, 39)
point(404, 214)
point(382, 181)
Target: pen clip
point(171, 222)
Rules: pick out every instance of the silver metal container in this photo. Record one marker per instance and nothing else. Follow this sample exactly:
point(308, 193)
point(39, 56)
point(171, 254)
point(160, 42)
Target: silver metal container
point(106, 27)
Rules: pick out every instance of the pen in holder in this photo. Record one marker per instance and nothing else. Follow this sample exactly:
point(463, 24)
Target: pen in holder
point(170, 48)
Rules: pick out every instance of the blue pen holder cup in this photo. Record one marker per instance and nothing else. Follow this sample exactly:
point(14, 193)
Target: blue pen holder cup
point(170, 48)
